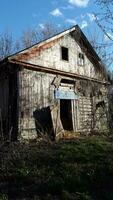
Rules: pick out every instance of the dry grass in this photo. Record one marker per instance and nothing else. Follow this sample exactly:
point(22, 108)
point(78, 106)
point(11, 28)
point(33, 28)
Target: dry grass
point(73, 169)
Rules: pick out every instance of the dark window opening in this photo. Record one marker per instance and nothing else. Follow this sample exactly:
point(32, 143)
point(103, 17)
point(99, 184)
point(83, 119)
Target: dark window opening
point(66, 114)
point(81, 59)
point(67, 81)
point(64, 52)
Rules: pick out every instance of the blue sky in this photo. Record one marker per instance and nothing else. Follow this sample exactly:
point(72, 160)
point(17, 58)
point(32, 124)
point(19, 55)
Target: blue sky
point(18, 15)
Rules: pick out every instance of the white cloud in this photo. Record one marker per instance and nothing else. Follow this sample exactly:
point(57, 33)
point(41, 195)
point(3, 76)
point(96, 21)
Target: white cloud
point(91, 17)
point(79, 3)
point(71, 21)
point(84, 24)
point(41, 26)
point(56, 12)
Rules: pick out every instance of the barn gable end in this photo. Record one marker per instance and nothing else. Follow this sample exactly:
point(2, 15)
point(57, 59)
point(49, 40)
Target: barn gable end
point(61, 86)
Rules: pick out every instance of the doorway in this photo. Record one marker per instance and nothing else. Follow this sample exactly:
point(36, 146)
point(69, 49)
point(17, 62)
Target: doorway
point(66, 114)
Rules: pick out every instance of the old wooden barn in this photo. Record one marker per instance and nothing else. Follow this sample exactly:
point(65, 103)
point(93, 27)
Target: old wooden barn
point(57, 85)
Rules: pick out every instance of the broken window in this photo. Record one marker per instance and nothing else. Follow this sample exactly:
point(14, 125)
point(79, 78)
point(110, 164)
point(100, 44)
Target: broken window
point(81, 59)
point(64, 53)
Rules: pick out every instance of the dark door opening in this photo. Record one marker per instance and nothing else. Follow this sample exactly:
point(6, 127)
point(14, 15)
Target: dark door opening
point(66, 114)
point(13, 107)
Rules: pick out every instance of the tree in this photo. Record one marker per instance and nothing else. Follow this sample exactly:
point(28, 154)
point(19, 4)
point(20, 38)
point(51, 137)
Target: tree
point(31, 36)
point(48, 30)
point(96, 40)
point(104, 20)
point(17, 45)
point(6, 44)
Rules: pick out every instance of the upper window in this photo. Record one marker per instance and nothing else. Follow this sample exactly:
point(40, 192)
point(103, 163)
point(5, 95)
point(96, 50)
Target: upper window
point(81, 59)
point(64, 53)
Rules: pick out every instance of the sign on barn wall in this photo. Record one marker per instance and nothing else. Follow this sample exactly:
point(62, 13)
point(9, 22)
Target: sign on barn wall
point(61, 94)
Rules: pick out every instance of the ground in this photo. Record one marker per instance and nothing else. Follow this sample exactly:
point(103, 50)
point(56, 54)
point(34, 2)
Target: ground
point(75, 169)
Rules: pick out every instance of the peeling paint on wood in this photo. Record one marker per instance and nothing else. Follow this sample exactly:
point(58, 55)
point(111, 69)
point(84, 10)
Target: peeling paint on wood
point(46, 95)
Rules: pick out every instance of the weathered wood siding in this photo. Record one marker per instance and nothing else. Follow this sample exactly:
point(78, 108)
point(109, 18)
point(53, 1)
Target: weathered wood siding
point(36, 91)
point(85, 114)
point(50, 56)
point(28, 96)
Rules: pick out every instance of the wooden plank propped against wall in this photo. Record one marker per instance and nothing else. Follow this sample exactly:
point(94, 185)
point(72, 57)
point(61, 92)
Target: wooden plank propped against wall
point(57, 125)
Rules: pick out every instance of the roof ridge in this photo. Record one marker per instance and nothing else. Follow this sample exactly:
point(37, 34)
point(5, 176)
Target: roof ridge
point(45, 40)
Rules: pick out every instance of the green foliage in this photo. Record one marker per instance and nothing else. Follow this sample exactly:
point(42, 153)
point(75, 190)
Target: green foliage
point(3, 196)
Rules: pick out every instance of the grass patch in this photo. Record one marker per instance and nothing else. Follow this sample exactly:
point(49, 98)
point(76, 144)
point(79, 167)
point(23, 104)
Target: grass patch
point(73, 169)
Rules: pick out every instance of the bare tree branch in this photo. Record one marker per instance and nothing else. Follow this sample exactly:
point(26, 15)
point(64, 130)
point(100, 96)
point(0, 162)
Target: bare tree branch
point(6, 44)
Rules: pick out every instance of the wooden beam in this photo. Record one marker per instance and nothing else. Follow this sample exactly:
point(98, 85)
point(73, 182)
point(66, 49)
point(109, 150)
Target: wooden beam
point(54, 71)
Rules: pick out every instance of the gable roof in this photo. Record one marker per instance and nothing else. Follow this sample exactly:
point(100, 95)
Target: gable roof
point(79, 37)
point(77, 31)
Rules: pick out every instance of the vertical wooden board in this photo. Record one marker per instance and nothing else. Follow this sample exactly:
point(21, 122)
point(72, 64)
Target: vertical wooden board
point(57, 125)
point(35, 93)
point(76, 115)
point(85, 109)
point(73, 105)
